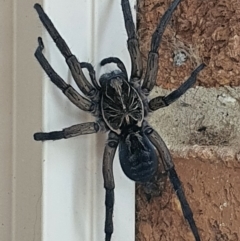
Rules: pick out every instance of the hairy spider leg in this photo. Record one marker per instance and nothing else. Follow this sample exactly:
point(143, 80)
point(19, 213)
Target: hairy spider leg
point(72, 131)
point(153, 56)
point(108, 156)
point(187, 212)
point(163, 101)
point(78, 100)
point(71, 59)
point(92, 74)
point(169, 167)
point(132, 42)
point(117, 61)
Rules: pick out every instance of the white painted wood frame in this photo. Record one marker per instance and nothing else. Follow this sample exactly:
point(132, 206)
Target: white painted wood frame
point(54, 191)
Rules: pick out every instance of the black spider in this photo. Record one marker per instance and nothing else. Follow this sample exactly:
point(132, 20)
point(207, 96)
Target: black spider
point(120, 106)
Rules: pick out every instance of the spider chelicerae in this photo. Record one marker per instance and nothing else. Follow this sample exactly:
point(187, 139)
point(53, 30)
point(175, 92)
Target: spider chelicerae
point(120, 106)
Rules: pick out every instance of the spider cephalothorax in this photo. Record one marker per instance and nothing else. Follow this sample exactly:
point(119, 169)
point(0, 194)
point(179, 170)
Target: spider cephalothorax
point(120, 106)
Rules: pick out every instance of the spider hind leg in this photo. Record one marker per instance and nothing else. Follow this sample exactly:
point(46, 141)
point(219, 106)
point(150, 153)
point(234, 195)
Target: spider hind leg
point(109, 185)
point(166, 158)
point(187, 212)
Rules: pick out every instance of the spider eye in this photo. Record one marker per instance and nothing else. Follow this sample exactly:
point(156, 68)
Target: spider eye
point(137, 157)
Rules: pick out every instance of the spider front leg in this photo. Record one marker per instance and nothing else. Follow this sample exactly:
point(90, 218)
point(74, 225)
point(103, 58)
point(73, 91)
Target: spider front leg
point(163, 101)
point(169, 167)
point(68, 90)
point(109, 185)
point(71, 59)
point(72, 131)
point(133, 45)
point(152, 63)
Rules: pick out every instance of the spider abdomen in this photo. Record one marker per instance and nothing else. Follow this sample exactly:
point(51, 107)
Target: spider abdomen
point(137, 156)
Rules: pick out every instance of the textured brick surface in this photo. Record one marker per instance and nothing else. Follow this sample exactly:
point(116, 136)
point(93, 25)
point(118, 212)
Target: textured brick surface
point(205, 142)
point(212, 190)
point(206, 31)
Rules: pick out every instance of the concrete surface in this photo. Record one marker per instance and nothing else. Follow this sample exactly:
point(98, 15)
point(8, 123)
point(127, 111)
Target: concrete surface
point(202, 123)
